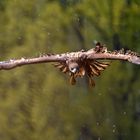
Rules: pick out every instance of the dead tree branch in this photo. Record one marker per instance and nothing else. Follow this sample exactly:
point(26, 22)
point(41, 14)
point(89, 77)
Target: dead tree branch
point(92, 54)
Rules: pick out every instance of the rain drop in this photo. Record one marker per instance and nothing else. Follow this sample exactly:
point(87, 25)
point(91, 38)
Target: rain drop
point(113, 130)
point(124, 113)
point(97, 123)
point(114, 126)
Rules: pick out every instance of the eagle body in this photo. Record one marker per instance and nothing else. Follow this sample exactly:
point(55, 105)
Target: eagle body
point(78, 66)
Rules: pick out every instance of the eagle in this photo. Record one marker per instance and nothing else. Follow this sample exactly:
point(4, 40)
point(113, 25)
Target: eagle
point(80, 69)
point(82, 63)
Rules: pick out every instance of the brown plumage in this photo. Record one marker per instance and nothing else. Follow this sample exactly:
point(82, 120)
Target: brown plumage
point(72, 79)
point(88, 68)
point(94, 68)
point(62, 66)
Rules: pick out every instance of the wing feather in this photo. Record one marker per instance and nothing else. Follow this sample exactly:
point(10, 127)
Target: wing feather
point(94, 69)
point(62, 67)
point(102, 64)
point(72, 80)
point(91, 82)
point(65, 69)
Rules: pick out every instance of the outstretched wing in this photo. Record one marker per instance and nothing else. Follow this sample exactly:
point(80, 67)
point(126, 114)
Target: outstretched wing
point(94, 68)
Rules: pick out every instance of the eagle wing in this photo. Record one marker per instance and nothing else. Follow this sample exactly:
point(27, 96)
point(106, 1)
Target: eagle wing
point(94, 68)
point(62, 67)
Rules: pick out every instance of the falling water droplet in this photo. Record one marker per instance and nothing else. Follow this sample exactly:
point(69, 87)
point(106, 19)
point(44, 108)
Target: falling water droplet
point(113, 125)
point(124, 113)
point(97, 123)
point(113, 130)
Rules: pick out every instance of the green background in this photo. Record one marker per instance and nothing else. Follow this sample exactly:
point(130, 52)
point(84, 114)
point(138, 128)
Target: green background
point(37, 102)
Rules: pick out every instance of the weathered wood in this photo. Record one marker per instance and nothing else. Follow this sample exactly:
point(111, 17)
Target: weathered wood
point(80, 55)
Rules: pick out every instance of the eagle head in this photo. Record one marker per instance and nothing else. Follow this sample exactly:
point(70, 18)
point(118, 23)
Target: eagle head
point(73, 67)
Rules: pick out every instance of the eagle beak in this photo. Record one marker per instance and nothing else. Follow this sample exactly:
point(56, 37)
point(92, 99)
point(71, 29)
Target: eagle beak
point(73, 67)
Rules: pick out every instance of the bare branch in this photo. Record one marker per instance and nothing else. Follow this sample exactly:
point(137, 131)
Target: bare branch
point(97, 53)
point(110, 56)
point(13, 63)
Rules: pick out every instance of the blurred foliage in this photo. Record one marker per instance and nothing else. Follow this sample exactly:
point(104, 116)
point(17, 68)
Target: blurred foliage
point(37, 102)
